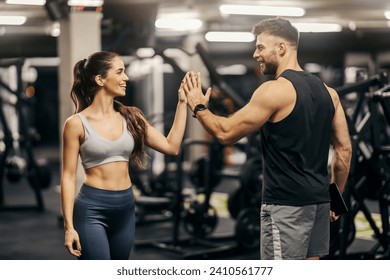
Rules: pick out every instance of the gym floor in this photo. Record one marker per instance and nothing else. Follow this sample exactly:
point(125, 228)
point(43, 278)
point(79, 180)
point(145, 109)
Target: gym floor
point(28, 234)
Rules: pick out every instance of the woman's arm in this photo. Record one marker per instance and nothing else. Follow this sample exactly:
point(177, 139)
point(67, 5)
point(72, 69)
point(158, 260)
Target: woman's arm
point(170, 144)
point(70, 152)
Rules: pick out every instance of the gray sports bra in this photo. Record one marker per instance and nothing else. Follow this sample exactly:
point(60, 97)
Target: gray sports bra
point(96, 150)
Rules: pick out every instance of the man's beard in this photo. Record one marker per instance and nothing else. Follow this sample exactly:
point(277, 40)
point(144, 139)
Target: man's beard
point(270, 68)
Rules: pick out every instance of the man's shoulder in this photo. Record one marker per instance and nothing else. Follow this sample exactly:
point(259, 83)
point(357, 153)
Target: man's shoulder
point(276, 93)
point(281, 85)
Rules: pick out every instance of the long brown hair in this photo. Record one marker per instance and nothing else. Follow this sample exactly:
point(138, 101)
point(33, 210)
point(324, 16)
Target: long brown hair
point(84, 89)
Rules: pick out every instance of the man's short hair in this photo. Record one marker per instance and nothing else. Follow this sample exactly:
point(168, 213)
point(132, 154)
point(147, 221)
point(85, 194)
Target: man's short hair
point(278, 27)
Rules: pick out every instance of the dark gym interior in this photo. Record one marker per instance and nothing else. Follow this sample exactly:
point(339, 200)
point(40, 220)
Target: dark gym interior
point(204, 203)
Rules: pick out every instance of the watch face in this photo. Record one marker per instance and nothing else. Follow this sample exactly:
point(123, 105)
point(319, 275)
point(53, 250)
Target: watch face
point(200, 107)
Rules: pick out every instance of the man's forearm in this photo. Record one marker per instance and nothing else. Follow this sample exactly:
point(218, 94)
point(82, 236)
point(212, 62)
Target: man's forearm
point(213, 125)
point(340, 168)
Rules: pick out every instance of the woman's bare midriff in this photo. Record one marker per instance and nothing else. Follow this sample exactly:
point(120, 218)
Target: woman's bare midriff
point(110, 176)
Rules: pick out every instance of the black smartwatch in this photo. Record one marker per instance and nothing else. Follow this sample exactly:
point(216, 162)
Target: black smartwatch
point(198, 107)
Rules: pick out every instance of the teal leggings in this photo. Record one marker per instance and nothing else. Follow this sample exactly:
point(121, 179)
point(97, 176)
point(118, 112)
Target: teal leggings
point(105, 222)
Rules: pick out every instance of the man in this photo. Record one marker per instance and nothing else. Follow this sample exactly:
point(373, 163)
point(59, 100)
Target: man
point(300, 119)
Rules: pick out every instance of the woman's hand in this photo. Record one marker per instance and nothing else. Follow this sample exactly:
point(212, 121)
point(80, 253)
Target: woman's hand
point(72, 242)
point(182, 98)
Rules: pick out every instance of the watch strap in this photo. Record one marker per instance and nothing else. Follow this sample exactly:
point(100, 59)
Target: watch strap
point(197, 108)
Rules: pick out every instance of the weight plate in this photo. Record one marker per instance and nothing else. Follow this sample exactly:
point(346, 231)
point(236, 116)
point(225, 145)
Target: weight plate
point(200, 221)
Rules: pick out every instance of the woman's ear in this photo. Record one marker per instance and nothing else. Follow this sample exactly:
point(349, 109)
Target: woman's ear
point(99, 80)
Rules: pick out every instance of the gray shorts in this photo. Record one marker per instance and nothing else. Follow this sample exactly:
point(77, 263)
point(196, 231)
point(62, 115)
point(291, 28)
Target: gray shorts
point(294, 232)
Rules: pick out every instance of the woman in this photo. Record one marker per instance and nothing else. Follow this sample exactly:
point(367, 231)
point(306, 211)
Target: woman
point(99, 223)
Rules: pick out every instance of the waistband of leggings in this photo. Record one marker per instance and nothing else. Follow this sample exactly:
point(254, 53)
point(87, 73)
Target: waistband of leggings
point(104, 194)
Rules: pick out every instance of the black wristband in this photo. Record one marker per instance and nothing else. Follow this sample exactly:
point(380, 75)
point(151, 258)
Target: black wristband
point(198, 107)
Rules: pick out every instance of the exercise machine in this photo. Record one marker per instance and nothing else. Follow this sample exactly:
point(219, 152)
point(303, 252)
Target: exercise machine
point(17, 159)
point(370, 167)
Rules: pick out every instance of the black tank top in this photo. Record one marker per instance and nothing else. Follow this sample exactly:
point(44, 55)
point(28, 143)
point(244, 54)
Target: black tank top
point(295, 149)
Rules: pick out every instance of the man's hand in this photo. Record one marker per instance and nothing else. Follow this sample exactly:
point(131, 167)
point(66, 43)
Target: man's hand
point(193, 90)
point(333, 217)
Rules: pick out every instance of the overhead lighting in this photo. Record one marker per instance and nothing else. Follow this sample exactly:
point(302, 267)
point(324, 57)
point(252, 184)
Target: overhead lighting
point(213, 36)
point(261, 10)
point(86, 3)
point(387, 14)
point(26, 2)
point(178, 23)
point(317, 27)
point(235, 69)
point(12, 20)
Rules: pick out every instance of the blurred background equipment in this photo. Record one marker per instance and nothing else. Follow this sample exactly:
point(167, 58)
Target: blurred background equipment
point(18, 161)
point(370, 169)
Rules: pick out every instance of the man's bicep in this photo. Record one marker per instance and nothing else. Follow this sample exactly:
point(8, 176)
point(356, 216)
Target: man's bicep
point(255, 113)
point(248, 119)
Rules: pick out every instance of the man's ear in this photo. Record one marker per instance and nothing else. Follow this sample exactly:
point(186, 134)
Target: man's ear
point(99, 80)
point(282, 48)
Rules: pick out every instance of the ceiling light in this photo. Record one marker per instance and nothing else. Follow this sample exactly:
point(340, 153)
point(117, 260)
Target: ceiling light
point(235, 69)
point(387, 14)
point(318, 27)
point(261, 10)
point(12, 20)
point(178, 23)
point(86, 3)
point(229, 37)
point(26, 2)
